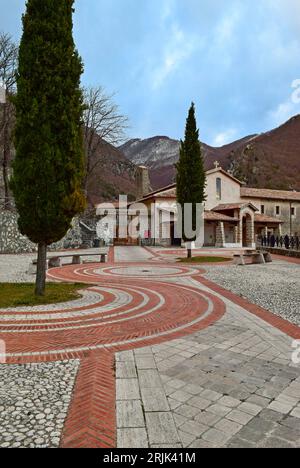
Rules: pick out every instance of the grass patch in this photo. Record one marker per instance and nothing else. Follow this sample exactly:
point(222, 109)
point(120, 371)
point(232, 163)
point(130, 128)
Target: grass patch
point(203, 259)
point(22, 294)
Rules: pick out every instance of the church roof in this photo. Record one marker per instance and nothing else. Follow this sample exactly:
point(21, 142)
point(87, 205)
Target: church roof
point(234, 206)
point(213, 216)
point(270, 194)
point(260, 218)
point(227, 174)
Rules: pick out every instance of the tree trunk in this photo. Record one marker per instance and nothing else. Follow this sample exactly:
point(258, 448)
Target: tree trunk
point(40, 283)
point(189, 246)
point(6, 157)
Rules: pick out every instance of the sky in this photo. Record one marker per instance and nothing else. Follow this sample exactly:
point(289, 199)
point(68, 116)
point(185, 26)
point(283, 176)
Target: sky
point(236, 59)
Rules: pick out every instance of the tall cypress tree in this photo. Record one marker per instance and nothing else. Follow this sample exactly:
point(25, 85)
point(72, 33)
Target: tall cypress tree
point(191, 178)
point(48, 170)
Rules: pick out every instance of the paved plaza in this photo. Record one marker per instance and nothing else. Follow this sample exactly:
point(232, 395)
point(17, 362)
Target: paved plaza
point(155, 354)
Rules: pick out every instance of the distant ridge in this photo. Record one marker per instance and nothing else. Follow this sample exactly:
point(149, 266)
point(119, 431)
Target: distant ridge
point(267, 160)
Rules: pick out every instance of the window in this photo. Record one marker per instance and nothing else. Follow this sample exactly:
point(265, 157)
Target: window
point(277, 210)
point(219, 188)
point(262, 209)
point(293, 211)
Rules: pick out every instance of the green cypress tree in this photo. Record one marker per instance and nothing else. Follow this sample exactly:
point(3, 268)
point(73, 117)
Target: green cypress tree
point(191, 178)
point(48, 170)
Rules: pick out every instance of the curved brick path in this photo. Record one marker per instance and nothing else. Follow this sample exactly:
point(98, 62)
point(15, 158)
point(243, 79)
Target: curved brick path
point(126, 306)
point(130, 312)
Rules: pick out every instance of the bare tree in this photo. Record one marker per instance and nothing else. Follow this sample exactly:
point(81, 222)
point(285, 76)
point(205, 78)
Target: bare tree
point(8, 67)
point(103, 124)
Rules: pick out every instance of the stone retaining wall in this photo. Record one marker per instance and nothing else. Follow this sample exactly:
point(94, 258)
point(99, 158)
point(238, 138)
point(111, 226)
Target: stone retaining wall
point(12, 241)
point(284, 252)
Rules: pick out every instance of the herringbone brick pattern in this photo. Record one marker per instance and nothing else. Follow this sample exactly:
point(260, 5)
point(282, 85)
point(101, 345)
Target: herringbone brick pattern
point(91, 419)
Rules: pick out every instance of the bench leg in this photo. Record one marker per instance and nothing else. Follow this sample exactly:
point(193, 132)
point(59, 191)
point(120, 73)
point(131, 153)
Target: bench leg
point(258, 259)
point(76, 260)
point(54, 263)
point(268, 258)
point(261, 259)
point(103, 258)
point(239, 260)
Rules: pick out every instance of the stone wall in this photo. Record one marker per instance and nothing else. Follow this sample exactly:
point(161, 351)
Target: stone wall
point(12, 241)
point(285, 252)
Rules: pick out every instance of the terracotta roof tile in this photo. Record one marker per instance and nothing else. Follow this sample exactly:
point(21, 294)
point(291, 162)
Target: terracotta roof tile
point(260, 218)
point(272, 194)
point(213, 216)
point(234, 206)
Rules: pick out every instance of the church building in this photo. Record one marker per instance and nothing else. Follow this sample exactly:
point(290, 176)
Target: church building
point(234, 215)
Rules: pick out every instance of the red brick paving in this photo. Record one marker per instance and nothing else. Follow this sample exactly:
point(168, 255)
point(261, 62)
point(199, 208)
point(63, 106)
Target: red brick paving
point(91, 419)
point(183, 305)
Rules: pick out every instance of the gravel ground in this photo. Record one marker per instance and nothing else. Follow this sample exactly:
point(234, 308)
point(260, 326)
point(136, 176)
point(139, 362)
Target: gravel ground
point(34, 399)
point(276, 286)
point(14, 268)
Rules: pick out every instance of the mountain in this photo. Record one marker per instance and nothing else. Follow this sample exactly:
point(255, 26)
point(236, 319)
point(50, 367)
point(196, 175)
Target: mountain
point(161, 153)
point(268, 160)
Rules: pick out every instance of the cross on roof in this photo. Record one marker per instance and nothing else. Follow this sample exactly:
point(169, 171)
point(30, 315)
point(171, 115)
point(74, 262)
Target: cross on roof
point(216, 164)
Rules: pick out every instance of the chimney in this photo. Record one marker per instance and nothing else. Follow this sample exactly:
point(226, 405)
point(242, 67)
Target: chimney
point(142, 182)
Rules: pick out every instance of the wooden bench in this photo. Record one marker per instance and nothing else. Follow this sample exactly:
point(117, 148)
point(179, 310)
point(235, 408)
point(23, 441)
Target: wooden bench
point(255, 257)
point(56, 261)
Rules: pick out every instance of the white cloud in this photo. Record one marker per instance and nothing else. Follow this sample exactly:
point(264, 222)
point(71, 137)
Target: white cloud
point(167, 9)
point(223, 138)
point(225, 30)
point(288, 108)
point(178, 48)
point(288, 8)
point(284, 112)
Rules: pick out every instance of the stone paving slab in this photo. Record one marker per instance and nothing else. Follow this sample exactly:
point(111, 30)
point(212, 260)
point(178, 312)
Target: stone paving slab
point(230, 385)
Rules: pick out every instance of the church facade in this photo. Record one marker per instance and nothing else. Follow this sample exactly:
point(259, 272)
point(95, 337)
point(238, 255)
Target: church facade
point(234, 215)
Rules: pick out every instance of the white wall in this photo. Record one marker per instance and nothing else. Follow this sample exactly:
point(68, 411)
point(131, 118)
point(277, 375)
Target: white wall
point(231, 190)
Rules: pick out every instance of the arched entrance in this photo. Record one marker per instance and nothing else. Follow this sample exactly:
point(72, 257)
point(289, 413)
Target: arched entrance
point(247, 230)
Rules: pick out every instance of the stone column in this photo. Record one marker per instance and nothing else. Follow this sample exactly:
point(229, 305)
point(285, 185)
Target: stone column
point(250, 232)
point(220, 235)
point(236, 234)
